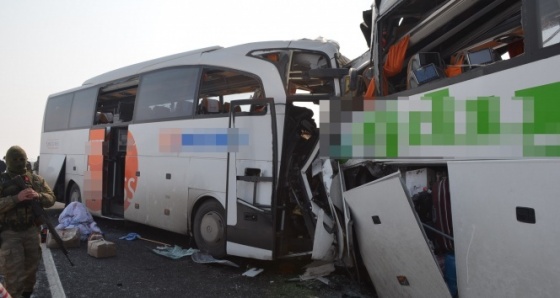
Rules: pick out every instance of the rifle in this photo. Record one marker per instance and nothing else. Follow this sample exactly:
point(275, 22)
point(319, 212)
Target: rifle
point(40, 213)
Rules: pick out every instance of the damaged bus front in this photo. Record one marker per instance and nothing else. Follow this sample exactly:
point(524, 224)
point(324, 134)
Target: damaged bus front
point(216, 143)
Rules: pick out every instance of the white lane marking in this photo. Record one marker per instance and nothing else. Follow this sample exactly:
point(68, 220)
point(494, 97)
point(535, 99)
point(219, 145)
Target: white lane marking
point(52, 274)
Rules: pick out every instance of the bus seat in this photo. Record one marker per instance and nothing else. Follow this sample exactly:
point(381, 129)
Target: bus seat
point(210, 106)
point(227, 107)
point(258, 94)
point(456, 65)
point(104, 118)
point(422, 68)
point(480, 57)
point(516, 48)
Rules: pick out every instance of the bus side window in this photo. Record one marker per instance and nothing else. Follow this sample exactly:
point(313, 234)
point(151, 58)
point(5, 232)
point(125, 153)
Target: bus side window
point(183, 108)
point(219, 87)
point(160, 90)
point(548, 13)
point(125, 111)
point(161, 112)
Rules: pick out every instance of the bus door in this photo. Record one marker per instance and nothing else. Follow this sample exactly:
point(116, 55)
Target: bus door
point(114, 155)
point(104, 179)
point(251, 181)
point(392, 243)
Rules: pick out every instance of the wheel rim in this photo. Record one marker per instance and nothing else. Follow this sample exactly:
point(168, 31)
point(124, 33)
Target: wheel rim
point(211, 227)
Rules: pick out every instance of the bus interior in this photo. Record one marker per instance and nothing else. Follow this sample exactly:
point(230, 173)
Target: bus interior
point(440, 39)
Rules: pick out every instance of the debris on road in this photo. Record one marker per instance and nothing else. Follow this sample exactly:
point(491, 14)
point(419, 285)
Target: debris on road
point(202, 258)
point(253, 272)
point(317, 269)
point(133, 236)
point(175, 252)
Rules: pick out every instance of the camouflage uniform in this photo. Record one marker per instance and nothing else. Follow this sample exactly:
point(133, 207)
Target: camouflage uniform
point(20, 251)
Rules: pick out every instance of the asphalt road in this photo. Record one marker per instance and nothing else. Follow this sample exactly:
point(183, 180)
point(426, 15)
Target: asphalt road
point(136, 271)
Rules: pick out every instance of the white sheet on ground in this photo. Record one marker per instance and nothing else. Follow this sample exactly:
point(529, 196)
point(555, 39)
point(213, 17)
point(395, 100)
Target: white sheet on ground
point(75, 215)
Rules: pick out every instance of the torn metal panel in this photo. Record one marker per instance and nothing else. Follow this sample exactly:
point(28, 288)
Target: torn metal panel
point(327, 178)
point(348, 224)
point(323, 241)
point(392, 244)
point(336, 191)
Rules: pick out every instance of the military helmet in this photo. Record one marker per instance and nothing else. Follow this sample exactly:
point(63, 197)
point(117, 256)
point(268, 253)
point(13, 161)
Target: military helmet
point(16, 160)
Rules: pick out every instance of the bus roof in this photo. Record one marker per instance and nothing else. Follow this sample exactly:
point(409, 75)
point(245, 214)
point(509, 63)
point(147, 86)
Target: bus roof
point(208, 56)
point(139, 67)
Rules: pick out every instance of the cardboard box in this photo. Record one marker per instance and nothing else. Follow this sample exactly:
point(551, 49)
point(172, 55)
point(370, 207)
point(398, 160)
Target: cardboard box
point(101, 248)
point(70, 238)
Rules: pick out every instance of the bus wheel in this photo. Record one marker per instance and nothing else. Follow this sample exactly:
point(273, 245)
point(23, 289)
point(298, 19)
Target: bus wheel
point(75, 195)
point(210, 229)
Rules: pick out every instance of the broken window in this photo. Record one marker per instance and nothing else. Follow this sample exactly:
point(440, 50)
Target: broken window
point(218, 87)
point(446, 38)
point(549, 15)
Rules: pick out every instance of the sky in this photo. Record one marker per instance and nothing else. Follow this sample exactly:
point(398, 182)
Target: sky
point(48, 46)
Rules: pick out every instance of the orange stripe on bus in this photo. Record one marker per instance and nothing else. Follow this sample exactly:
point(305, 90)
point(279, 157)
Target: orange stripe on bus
point(93, 177)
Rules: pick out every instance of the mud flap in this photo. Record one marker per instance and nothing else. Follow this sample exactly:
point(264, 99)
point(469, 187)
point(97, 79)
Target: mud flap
point(391, 241)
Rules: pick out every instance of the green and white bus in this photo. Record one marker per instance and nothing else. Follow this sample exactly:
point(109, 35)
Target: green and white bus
point(453, 141)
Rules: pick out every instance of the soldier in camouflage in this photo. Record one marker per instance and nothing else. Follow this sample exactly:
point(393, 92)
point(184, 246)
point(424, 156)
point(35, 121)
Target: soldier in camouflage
point(20, 250)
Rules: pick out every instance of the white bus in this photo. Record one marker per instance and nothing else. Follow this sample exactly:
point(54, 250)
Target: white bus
point(452, 183)
point(204, 142)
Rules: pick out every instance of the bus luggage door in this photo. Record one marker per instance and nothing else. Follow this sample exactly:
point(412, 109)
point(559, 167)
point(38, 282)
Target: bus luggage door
point(251, 183)
point(392, 243)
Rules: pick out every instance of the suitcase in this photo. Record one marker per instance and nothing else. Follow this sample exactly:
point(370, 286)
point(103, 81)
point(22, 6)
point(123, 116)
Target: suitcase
point(101, 248)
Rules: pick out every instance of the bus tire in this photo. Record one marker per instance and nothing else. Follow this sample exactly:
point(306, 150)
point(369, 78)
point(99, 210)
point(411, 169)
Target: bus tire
point(74, 194)
point(210, 229)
